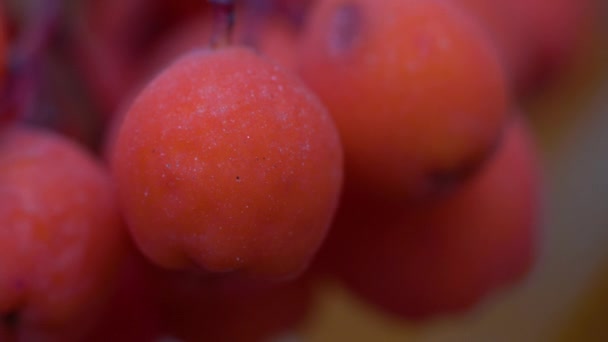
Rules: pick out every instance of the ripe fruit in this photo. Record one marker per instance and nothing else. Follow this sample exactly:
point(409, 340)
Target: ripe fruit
point(61, 236)
point(536, 38)
point(553, 30)
point(443, 257)
point(227, 162)
point(415, 88)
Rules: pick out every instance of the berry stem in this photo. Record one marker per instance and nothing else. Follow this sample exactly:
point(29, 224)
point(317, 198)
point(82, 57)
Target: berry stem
point(223, 22)
point(20, 86)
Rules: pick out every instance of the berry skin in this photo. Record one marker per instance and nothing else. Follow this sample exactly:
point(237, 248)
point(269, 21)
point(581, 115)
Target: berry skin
point(227, 162)
point(61, 236)
point(416, 90)
point(540, 43)
point(443, 257)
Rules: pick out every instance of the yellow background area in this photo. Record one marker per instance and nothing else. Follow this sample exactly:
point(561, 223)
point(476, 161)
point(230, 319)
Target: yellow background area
point(565, 298)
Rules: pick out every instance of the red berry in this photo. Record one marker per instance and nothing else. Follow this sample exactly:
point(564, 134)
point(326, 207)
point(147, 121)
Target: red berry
point(415, 88)
point(61, 237)
point(443, 257)
point(228, 162)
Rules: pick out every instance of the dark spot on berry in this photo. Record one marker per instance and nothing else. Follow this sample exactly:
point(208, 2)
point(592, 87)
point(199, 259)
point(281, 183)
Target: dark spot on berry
point(446, 179)
point(11, 320)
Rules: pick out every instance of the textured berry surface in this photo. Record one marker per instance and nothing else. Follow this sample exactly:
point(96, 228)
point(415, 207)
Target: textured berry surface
point(416, 89)
point(61, 236)
point(227, 162)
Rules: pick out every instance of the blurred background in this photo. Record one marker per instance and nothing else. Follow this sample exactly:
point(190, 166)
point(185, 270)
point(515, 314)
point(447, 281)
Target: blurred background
point(565, 298)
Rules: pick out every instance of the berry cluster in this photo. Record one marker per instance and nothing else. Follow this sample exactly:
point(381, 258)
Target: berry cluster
point(251, 149)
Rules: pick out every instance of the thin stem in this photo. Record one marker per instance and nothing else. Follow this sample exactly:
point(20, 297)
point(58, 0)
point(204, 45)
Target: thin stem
point(26, 58)
point(223, 22)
